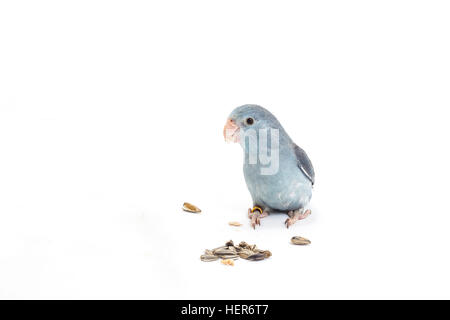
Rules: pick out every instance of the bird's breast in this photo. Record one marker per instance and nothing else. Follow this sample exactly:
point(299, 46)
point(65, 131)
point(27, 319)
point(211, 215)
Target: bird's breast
point(288, 189)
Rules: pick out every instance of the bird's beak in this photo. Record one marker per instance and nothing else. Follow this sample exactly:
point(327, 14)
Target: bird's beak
point(231, 131)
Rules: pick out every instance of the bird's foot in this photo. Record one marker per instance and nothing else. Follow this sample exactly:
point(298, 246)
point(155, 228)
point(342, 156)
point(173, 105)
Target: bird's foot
point(255, 215)
point(296, 215)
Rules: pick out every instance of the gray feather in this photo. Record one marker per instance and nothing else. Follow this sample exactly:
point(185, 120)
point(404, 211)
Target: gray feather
point(304, 163)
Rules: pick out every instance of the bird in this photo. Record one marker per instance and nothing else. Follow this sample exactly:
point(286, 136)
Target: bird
point(278, 173)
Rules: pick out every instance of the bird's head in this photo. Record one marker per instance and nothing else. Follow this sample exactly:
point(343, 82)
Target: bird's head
point(247, 117)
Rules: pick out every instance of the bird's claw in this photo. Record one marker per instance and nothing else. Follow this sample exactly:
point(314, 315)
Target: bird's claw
point(296, 215)
point(288, 222)
point(255, 221)
point(255, 217)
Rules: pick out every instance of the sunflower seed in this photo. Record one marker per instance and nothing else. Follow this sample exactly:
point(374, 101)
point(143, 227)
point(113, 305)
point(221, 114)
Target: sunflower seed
point(243, 244)
point(235, 224)
point(230, 256)
point(256, 257)
point(232, 249)
point(245, 253)
point(224, 251)
point(230, 243)
point(190, 208)
point(208, 258)
point(300, 241)
point(219, 248)
point(266, 253)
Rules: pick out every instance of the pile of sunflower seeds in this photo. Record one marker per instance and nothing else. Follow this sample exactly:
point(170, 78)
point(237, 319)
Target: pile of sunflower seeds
point(230, 251)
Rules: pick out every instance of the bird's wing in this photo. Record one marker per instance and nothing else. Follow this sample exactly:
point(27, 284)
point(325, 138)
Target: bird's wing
point(304, 163)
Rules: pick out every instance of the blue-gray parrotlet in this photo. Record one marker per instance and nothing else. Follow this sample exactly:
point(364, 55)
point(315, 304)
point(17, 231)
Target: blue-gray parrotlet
point(278, 173)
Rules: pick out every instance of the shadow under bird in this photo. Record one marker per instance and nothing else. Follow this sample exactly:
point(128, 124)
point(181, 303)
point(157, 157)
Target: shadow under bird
point(278, 173)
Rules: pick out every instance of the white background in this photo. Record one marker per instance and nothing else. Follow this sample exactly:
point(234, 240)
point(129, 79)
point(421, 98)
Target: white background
point(111, 116)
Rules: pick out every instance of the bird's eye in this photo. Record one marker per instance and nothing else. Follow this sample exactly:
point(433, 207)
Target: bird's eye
point(249, 121)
